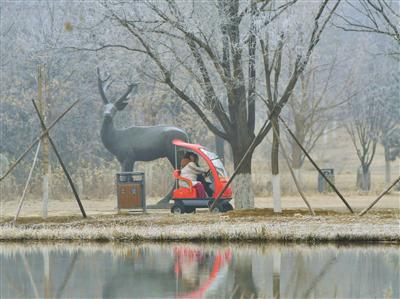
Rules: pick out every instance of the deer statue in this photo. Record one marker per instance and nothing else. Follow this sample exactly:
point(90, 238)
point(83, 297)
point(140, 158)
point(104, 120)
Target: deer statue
point(136, 143)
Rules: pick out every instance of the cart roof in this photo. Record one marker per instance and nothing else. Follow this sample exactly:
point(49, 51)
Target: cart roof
point(190, 146)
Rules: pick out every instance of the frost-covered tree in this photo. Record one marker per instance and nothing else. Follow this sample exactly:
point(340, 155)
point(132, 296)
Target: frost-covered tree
point(371, 16)
point(215, 46)
point(312, 108)
point(389, 126)
point(364, 118)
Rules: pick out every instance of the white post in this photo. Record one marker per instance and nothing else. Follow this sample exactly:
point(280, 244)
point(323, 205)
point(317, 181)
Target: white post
point(45, 189)
point(276, 193)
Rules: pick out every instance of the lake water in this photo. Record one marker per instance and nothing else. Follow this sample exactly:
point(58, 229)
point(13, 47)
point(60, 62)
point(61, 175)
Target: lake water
point(198, 271)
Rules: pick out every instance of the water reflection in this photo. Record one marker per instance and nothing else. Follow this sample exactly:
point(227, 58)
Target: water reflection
point(198, 271)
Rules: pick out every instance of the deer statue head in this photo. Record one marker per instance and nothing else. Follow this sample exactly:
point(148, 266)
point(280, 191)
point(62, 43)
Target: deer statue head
point(110, 108)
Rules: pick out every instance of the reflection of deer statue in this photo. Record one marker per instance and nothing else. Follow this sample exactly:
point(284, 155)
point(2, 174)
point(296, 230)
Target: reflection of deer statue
point(137, 143)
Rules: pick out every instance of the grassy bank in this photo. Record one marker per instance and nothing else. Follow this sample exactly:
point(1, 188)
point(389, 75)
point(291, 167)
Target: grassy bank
point(253, 225)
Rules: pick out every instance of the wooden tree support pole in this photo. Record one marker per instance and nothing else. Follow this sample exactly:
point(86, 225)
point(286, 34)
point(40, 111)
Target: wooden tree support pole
point(21, 201)
point(37, 140)
point(316, 166)
point(71, 183)
point(379, 197)
point(291, 172)
point(249, 149)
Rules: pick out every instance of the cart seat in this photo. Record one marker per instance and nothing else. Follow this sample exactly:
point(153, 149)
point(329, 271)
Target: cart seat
point(184, 192)
point(177, 175)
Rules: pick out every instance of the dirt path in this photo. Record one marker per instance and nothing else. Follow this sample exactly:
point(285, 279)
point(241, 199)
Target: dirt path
point(95, 207)
point(330, 201)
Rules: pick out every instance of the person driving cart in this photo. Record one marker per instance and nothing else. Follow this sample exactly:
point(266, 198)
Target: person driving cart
point(191, 170)
point(202, 178)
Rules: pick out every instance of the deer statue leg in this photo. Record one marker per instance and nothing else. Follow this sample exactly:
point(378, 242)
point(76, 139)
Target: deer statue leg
point(127, 165)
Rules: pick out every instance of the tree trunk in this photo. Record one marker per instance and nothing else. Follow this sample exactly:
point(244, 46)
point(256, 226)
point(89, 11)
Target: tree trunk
point(219, 148)
point(364, 179)
point(81, 185)
point(325, 135)
point(46, 167)
point(297, 154)
point(296, 164)
point(276, 184)
point(387, 165)
point(242, 188)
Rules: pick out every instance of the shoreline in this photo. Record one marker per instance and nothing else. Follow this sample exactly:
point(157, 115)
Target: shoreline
point(258, 225)
point(251, 235)
point(74, 245)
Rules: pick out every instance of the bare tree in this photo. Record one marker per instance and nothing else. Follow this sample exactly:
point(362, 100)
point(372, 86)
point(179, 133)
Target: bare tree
point(389, 126)
point(390, 140)
point(311, 108)
point(364, 117)
point(372, 16)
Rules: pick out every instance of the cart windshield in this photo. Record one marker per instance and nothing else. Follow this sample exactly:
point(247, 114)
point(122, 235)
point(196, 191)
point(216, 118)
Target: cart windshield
point(216, 162)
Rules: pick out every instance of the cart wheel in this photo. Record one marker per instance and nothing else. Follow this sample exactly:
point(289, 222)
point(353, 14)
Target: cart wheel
point(228, 207)
point(190, 210)
point(178, 208)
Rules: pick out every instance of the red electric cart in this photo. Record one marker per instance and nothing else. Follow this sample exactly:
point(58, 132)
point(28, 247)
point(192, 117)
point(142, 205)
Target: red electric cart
point(185, 198)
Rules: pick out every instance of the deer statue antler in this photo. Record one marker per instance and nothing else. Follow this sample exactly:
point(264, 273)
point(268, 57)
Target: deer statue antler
point(101, 88)
point(122, 101)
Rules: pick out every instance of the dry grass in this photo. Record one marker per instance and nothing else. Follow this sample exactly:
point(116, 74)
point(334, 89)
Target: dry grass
point(332, 223)
point(255, 225)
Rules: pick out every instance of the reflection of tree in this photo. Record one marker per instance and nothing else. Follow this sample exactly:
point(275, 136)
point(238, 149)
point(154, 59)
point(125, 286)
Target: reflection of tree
point(67, 275)
point(319, 276)
point(276, 274)
point(244, 284)
point(29, 272)
point(298, 275)
point(16, 287)
point(149, 272)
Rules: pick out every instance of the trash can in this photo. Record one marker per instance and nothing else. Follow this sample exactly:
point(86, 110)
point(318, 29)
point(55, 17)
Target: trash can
point(323, 185)
point(131, 192)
